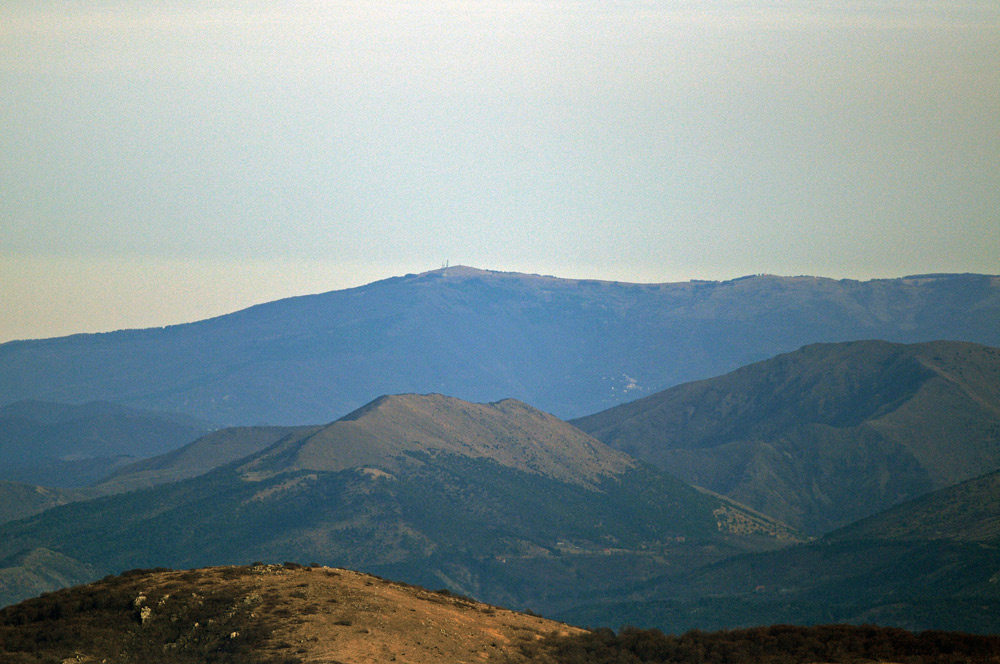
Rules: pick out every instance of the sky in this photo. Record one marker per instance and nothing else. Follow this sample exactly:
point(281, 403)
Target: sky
point(162, 162)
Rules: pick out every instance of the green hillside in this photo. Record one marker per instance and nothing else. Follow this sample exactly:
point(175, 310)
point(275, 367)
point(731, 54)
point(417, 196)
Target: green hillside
point(825, 435)
point(931, 563)
point(20, 500)
point(966, 512)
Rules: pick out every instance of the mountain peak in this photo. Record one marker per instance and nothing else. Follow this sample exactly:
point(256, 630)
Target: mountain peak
point(461, 271)
point(386, 432)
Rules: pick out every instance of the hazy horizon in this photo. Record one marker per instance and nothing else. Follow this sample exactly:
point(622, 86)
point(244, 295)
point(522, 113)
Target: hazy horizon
point(166, 163)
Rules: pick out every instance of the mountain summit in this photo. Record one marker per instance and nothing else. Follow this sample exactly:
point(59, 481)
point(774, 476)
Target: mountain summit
point(388, 432)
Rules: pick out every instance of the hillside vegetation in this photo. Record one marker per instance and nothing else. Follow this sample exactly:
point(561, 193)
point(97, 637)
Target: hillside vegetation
point(498, 501)
point(778, 644)
point(931, 563)
point(262, 614)
point(196, 458)
point(827, 434)
point(967, 512)
point(20, 500)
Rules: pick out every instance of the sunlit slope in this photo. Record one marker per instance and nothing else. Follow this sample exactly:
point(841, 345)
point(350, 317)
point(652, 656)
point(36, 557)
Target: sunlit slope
point(264, 614)
point(499, 501)
point(198, 457)
point(391, 430)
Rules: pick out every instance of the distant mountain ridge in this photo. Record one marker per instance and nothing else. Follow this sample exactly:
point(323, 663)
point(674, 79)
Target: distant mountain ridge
point(827, 434)
point(73, 445)
point(569, 347)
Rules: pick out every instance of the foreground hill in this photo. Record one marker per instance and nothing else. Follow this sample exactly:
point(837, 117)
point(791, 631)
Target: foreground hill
point(931, 563)
point(569, 347)
point(289, 614)
point(62, 445)
point(499, 501)
point(827, 434)
point(264, 614)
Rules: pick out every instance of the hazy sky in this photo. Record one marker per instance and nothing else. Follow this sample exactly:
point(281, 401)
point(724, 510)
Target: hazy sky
point(165, 161)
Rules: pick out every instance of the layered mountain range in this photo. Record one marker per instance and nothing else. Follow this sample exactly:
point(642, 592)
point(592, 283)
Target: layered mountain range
point(693, 506)
point(500, 500)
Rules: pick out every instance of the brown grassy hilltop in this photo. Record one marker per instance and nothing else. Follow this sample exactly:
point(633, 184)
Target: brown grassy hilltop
point(263, 614)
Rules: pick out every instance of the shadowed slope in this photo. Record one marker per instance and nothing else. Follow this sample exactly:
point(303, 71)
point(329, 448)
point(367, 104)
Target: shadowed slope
point(215, 449)
point(64, 445)
point(966, 512)
point(827, 434)
point(930, 563)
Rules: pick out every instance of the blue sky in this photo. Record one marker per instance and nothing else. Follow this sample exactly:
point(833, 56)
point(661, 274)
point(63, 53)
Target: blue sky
point(165, 161)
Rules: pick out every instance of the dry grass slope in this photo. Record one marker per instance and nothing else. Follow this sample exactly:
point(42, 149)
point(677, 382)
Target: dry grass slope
point(263, 614)
point(508, 432)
